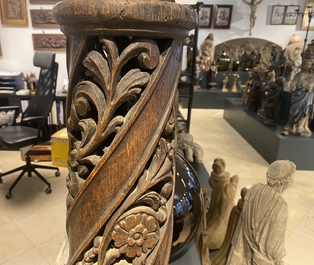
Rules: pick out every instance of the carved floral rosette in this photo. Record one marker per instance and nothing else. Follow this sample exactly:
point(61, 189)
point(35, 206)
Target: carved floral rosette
point(121, 121)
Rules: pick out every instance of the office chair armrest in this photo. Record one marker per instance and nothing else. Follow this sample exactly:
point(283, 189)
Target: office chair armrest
point(34, 119)
point(7, 108)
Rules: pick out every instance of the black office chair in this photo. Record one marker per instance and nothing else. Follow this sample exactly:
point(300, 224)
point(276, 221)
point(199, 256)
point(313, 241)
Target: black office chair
point(33, 126)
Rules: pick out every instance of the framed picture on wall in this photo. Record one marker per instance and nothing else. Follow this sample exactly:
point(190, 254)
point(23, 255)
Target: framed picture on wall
point(291, 15)
point(43, 19)
point(49, 42)
point(305, 21)
point(206, 16)
point(13, 12)
point(277, 15)
point(222, 16)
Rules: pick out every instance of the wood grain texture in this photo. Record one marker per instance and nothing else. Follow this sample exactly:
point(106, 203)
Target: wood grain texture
point(121, 121)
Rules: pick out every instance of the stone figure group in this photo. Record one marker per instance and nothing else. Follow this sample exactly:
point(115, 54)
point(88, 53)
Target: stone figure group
point(253, 230)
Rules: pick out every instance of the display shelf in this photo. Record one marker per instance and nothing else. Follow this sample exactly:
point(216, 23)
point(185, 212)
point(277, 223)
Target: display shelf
point(210, 99)
point(267, 140)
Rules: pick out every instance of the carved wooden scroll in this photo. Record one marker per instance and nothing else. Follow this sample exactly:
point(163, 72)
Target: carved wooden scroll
point(124, 63)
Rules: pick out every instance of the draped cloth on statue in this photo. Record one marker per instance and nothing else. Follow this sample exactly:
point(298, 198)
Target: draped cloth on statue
point(260, 233)
point(302, 98)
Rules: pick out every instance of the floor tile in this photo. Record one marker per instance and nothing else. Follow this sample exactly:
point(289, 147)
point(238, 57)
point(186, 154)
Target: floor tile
point(299, 250)
point(306, 227)
point(43, 225)
point(29, 258)
point(13, 242)
point(50, 249)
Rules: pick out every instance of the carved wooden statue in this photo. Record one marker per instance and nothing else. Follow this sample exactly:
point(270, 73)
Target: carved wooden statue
point(123, 60)
point(253, 6)
point(207, 50)
point(302, 102)
point(260, 233)
point(222, 200)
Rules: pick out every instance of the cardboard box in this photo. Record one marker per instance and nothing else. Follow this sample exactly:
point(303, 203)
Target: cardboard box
point(60, 148)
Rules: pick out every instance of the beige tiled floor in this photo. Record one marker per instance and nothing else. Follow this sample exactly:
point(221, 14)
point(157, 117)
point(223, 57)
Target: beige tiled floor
point(32, 223)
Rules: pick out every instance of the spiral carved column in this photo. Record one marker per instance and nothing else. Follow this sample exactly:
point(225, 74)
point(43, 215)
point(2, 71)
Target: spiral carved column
point(123, 60)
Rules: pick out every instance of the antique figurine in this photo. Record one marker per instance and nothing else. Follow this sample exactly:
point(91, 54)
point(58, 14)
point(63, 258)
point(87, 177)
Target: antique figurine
point(260, 233)
point(190, 150)
point(248, 57)
point(294, 43)
point(234, 86)
point(253, 6)
point(224, 84)
point(221, 256)
point(31, 81)
point(273, 101)
point(207, 50)
point(270, 78)
point(222, 201)
point(254, 87)
point(302, 102)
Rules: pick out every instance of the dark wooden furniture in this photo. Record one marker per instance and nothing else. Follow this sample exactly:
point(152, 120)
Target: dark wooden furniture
point(32, 128)
point(124, 64)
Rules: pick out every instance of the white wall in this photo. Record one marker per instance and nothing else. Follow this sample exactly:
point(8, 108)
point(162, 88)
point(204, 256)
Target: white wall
point(240, 23)
point(18, 51)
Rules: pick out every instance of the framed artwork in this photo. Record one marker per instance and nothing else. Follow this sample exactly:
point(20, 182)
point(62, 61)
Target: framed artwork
point(291, 15)
point(222, 17)
point(43, 19)
point(44, 2)
point(13, 12)
point(49, 42)
point(206, 16)
point(305, 21)
point(277, 15)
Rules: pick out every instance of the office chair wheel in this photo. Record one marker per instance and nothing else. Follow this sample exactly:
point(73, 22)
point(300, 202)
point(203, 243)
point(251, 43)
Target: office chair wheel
point(8, 195)
point(57, 174)
point(48, 190)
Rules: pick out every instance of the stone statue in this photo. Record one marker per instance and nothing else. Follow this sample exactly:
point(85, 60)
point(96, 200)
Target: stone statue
point(222, 201)
point(302, 102)
point(221, 256)
point(260, 233)
point(253, 5)
point(190, 150)
point(207, 50)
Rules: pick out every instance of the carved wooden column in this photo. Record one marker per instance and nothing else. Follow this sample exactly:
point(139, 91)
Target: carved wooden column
point(123, 60)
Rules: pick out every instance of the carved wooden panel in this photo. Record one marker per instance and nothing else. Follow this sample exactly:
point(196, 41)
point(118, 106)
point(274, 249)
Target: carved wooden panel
point(121, 108)
point(43, 19)
point(49, 42)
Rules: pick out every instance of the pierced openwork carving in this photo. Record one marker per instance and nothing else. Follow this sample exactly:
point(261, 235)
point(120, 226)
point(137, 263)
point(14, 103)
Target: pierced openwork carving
point(123, 60)
point(104, 109)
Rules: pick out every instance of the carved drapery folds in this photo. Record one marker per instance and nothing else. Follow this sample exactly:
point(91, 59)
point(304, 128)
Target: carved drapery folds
point(121, 121)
